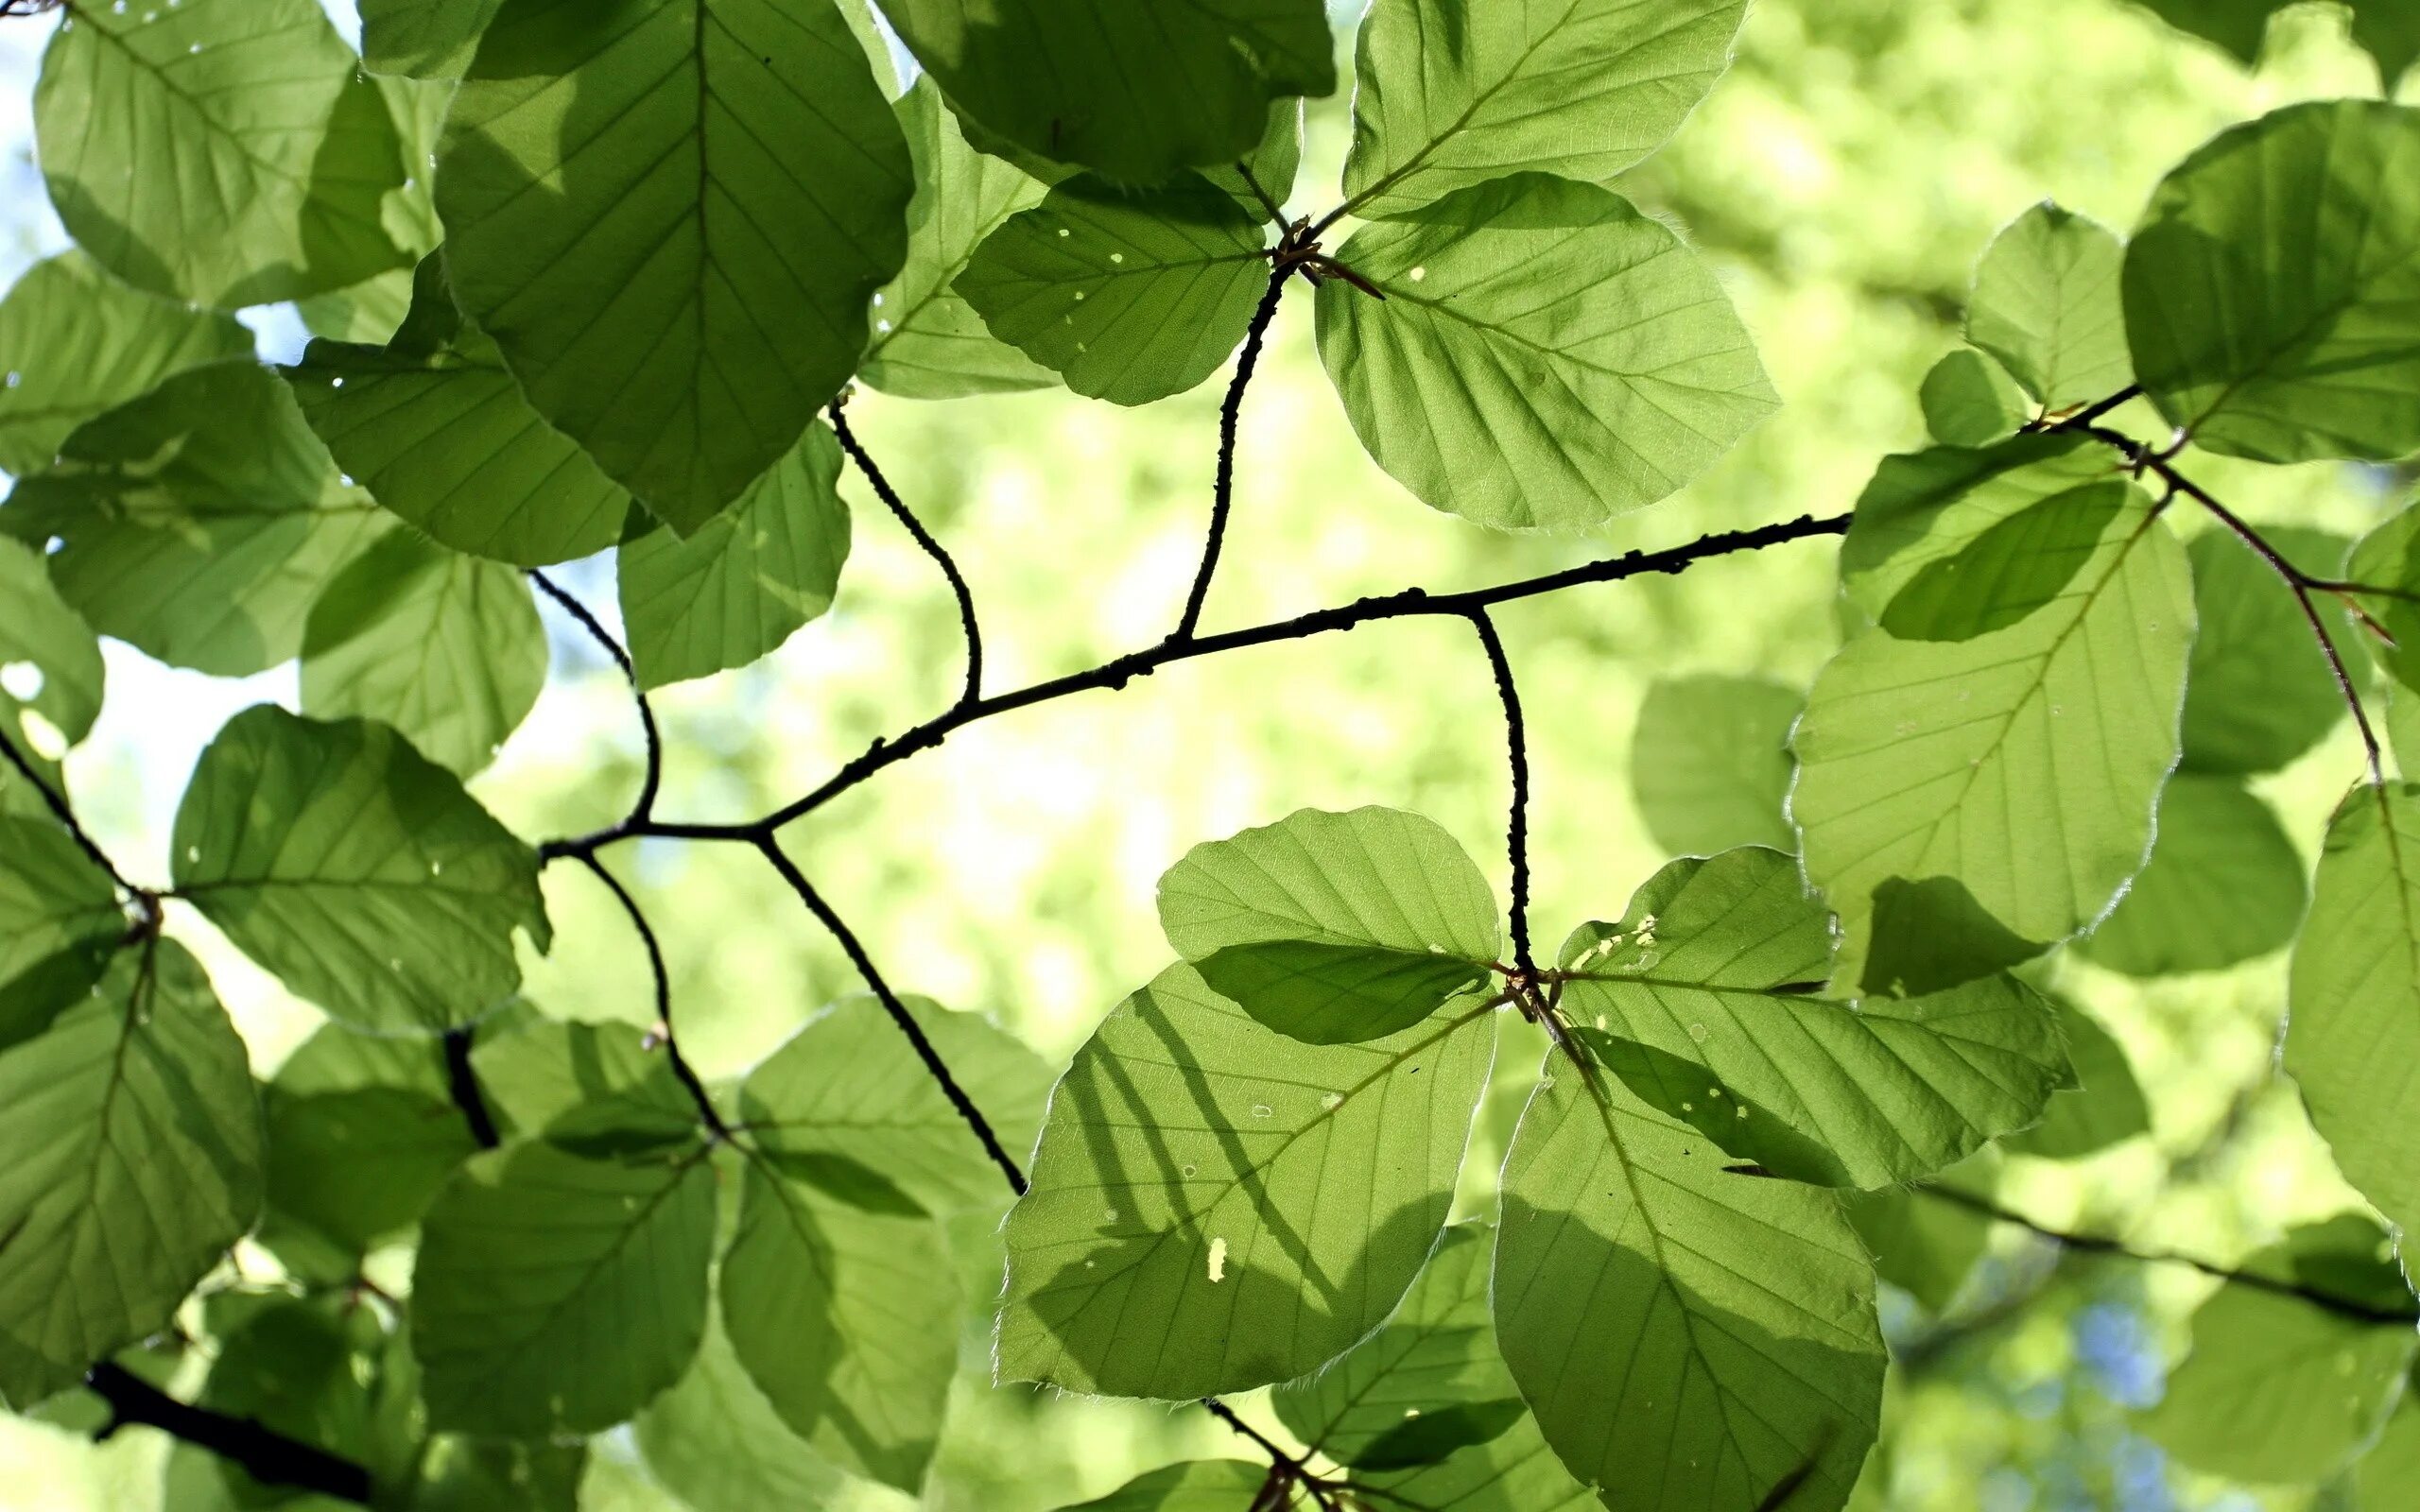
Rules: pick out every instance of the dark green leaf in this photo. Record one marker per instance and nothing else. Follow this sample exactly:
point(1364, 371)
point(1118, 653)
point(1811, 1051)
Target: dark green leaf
point(446, 649)
point(555, 1294)
point(80, 343)
point(1136, 93)
point(1196, 1486)
point(1454, 92)
point(2259, 692)
point(229, 153)
point(750, 576)
point(1923, 1245)
point(1709, 763)
point(1544, 355)
point(2105, 1106)
point(2047, 306)
point(50, 663)
point(361, 1166)
point(2388, 558)
point(1337, 994)
point(1215, 1209)
point(199, 523)
point(2390, 32)
point(2015, 568)
point(427, 39)
point(1969, 400)
point(2224, 885)
point(625, 221)
point(135, 1163)
point(355, 870)
point(2272, 290)
point(439, 433)
point(594, 1088)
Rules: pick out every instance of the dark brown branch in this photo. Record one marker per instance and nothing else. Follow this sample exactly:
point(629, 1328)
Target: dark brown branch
point(780, 860)
point(1222, 491)
point(682, 1071)
point(2102, 1244)
point(266, 1455)
point(462, 1084)
point(643, 807)
point(932, 548)
point(1517, 842)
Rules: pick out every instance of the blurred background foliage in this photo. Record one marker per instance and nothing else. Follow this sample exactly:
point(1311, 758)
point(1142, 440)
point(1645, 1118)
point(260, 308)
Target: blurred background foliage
point(1844, 176)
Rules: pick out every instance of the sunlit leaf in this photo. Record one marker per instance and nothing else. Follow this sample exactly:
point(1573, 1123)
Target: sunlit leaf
point(1453, 93)
point(229, 153)
point(555, 1294)
point(2272, 290)
point(1334, 928)
point(359, 873)
point(1214, 1208)
point(1714, 969)
point(1658, 1311)
point(135, 1163)
point(1196, 1485)
point(2224, 885)
point(199, 523)
point(59, 920)
point(1136, 93)
point(625, 221)
point(427, 39)
point(1544, 355)
point(1922, 1243)
point(49, 661)
point(2353, 1019)
point(80, 343)
point(1709, 763)
point(596, 1089)
point(2047, 306)
point(927, 341)
point(446, 649)
point(747, 579)
point(2010, 570)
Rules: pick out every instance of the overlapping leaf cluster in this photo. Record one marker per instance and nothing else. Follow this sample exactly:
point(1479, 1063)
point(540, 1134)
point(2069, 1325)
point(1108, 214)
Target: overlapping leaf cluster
point(584, 277)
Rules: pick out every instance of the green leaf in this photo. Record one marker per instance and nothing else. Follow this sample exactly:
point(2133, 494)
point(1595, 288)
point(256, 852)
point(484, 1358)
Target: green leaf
point(714, 1441)
point(1924, 507)
point(1196, 1485)
point(2105, 1106)
point(1454, 92)
point(558, 1294)
point(2224, 885)
point(198, 523)
point(1514, 1472)
point(464, 1475)
point(2388, 1476)
point(1709, 763)
point(847, 1320)
point(302, 1368)
point(135, 1163)
point(2272, 290)
point(1713, 970)
point(1214, 1208)
point(437, 431)
point(1921, 1244)
point(1129, 296)
point(2047, 306)
point(1334, 928)
point(361, 1166)
point(2259, 692)
point(623, 221)
point(2389, 557)
point(1136, 94)
point(2010, 570)
point(1969, 400)
point(50, 663)
point(1544, 355)
point(2387, 31)
point(228, 152)
point(928, 342)
point(2277, 1391)
point(361, 875)
point(1434, 1359)
point(2020, 767)
point(59, 923)
point(426, 39)
point(750, 576)
point(81, 343)
point(2353, 997)
point(444, 648)
point(1660, 1311)
point(849, 1085)
point(595, 1089)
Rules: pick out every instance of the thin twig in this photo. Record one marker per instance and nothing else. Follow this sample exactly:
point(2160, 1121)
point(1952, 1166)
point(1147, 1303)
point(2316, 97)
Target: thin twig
point(644, 809)
point(933, 548)
point(2102, 1244)
point(462, 1084)
point(772, 850)
point(266, 1455)
point(1268, 201)
point(1516, 831)
point(57, 802)
point(1222, 492)
point(681, 1070)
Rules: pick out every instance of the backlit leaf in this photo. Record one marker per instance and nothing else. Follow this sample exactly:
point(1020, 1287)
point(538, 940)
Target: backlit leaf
point(2260, 693)
point(1709, 763)
point(1969, 400)
point(2224, 885)
point(2047, 306)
